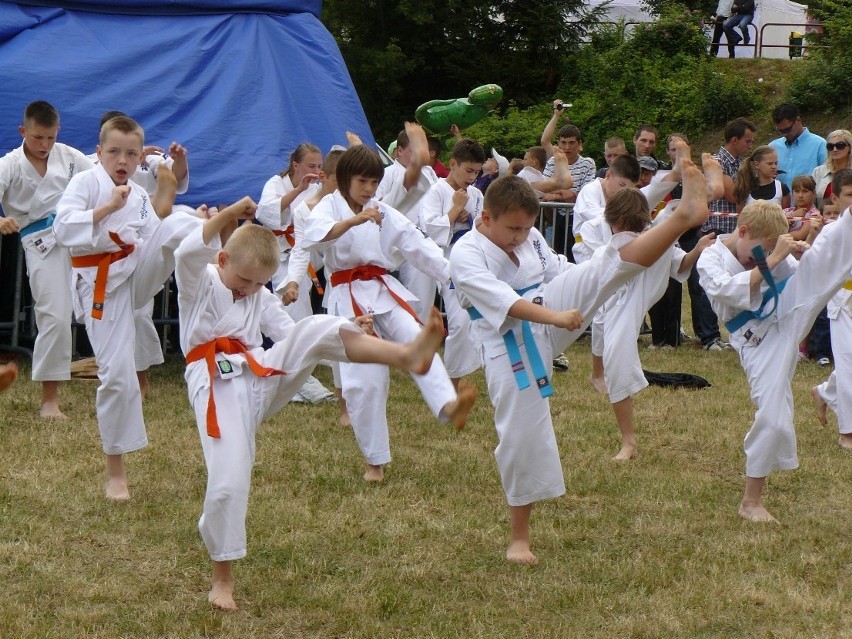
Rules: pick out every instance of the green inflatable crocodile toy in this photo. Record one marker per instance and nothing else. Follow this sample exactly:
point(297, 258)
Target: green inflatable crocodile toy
point(437, 116)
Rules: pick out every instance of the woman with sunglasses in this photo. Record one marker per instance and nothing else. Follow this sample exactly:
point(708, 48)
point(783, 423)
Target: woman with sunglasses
point(839, 147)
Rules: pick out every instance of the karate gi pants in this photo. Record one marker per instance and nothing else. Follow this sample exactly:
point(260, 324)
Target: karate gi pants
point(49, 275)
point(460, 357)
point(118, 402)
point(365, 388)
point(838, 395)
point(243, 402)
point(770, 444)
point(421, 285)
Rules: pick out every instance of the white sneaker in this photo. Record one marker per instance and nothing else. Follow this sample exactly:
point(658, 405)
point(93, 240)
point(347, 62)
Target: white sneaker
point(717, 345)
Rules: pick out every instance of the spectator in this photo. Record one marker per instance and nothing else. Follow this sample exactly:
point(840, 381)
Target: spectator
point(723, 12)
point(613, 147)
point(435, 148)
point(839, 147)
point(742, 14)
point(645, 140)
point(799, 150)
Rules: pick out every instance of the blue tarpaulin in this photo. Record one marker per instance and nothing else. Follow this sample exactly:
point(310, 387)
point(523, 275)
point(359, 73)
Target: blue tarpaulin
point(240, 84)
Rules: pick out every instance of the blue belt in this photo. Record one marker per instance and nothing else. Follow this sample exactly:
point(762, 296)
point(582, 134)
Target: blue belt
point(458, 234)
point(769, 295)
point(514, 352)
point(38, 225)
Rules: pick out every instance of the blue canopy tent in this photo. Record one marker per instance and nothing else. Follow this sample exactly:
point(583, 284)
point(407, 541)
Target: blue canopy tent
point(239, 83)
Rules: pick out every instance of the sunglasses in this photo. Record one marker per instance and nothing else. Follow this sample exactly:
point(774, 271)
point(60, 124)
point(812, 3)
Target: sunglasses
point(836, 145)
point(787, 130)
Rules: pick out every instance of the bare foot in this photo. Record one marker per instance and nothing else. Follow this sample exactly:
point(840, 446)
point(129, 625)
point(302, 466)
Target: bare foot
point(222, 597)
point(820, 405)
point(352, 139)
point(519, 552)
point(845, 441)
point(458, 411)
point(343, 419)
point(627, 452)
point(755, 512)
point(421, 350)
point(8, 374)
point(713, 175)
point(374, 473)
point(598, 384)
point(117, 490)
point(418, 143)
point(50, 410)
point(693, 203)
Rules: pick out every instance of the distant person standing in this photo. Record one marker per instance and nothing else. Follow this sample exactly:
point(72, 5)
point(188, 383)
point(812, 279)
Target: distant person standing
point(799, 150)
point(723, 12)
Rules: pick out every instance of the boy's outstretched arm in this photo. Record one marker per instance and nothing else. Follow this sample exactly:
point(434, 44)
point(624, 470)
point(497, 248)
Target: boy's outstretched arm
point(524, 310)
point(243, 209)
point(342, 226)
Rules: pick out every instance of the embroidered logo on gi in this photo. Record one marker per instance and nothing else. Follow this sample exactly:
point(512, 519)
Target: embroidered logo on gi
point(71, 168)
point(542, 259)
point(751, 337)
point(225, 366)
point(143, 212)
point(39, 244)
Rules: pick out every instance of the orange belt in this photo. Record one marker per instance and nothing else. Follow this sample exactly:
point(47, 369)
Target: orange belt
point(288, 234)
point(365, 273)
point(207, 352)
point(102, 261)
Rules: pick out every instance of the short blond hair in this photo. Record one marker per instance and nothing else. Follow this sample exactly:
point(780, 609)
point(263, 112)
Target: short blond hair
point(764, 220)
point(253, 245)
point(123, 124)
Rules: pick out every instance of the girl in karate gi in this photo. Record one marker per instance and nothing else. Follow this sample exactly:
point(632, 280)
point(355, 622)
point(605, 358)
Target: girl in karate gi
point(234, 384)
point(526, 303)
point(768, 311)
point(121, 254)
point(363, 240)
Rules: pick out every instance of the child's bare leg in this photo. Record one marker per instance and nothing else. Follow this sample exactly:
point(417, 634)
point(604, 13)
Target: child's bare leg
point(820, 405)
point(624, 416)
point(751, 507)
point(519, 537)
point(457, 411)
point(596, 379)
point(8, 374)
point(374, 472)
point(142, 376)
point(691, 212)
point(713, 175)
point(164, 197)
point(221, 593)
point(414, 356)
point(116, 484)
point(343, 418)
point(50, 401)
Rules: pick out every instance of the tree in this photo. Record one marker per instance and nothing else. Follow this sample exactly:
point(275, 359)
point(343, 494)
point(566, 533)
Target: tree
point(401, 54)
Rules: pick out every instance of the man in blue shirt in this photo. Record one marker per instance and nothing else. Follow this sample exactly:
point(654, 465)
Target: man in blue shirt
point(799, 150)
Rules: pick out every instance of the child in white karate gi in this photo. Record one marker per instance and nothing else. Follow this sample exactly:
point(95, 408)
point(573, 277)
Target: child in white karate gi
point(526, 303)
point(836, 391)
point(121, 253)
point(363, 240)
point(403, 185)
point(234, 384)
point(768, 311)
point(447, 212)
point(32, 179)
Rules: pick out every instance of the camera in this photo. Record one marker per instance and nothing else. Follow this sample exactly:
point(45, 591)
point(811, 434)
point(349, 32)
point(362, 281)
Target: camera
point(564, 106)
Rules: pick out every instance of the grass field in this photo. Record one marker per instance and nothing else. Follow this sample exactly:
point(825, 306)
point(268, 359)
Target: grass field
point(651, 548)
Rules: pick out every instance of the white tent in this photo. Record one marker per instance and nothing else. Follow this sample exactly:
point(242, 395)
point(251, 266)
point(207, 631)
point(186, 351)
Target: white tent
point(774, 20)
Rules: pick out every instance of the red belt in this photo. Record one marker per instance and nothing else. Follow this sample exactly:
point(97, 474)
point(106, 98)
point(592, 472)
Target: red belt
point(364, 273)
point(102, 261)
point(289, 235)
point(207, 352)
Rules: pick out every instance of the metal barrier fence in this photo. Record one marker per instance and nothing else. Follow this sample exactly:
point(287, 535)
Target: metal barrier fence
point(554, 223)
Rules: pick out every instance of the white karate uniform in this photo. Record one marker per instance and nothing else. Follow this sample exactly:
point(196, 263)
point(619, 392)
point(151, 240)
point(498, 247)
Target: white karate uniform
point(243, 400)
point(768, 348)
point(132, 282)
point(591, 201)
point(29, 198)
point(460, 357)
point(270, 214)
point(527, 454)
point(623, 314)
point(838, 394)
point(392, 192)
point(365, 386)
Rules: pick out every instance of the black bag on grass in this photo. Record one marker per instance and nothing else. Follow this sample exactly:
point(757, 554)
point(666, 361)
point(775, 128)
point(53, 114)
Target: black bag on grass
point(676, 380)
